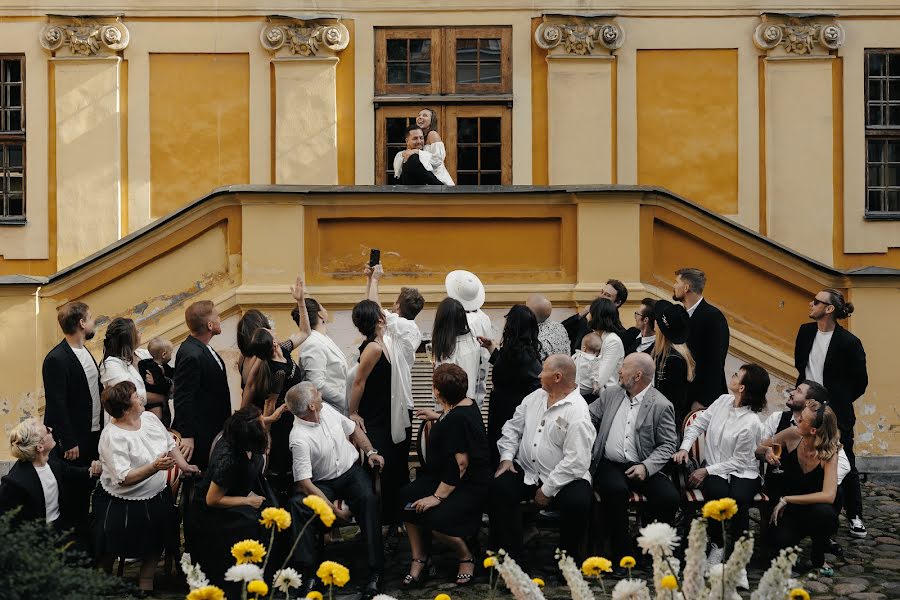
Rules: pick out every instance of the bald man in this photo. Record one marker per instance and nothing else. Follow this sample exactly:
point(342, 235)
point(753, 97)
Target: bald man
point(551, 334)
point(635, 439)
point(545, 455)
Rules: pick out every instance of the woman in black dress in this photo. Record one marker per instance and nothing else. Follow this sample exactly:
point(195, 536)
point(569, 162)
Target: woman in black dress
point(384, 420)
point(231, 494)
point(448, 498)
point(674, 363)
point(516, 373)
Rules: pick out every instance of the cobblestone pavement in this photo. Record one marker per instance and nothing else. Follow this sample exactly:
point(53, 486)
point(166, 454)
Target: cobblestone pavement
point(868, 570)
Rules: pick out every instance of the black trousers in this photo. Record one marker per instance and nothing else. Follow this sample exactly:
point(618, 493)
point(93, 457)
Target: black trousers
point(78, 503)
point(850, 484)
point(817, 521)
point(414, 173)
point(573, 501)
point(615, 488)
point(355, 488)
point(743, 491)
point(395, 473)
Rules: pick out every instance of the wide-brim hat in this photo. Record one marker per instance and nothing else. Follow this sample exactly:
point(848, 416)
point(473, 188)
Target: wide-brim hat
point(466, 288)
point(673, 321)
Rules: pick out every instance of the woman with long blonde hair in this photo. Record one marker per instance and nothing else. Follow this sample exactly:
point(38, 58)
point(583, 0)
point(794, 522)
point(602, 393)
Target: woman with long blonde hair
point(809, 459)
point(675, 366)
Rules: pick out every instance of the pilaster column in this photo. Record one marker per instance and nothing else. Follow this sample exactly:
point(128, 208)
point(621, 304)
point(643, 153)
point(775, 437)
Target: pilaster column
point(304, 55)
point(86, 65)
point(580, 96)
point(799, 130)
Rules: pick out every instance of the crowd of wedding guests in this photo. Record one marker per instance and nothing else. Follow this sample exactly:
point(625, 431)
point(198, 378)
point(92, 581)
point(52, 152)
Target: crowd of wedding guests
point(581, 414)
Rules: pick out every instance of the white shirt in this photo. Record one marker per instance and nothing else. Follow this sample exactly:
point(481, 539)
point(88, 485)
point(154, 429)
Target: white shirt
point(732, 435)
point(51, 491)
point(90, 371)
point(321, 451)
point(586, 364)
point(690, 311)
point(115, 370)
point(480, 325)
point(326, 368)
point(467, 354)
point(770, 427)
point(551, 445)
point(815, 366)
point(122, 450)
point(403, 337)
point(646, 342)
point(612, 353)
point(620, 443)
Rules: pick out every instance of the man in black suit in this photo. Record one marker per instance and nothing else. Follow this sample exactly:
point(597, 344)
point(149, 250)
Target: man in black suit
point(642, 336)
point(72, 393)
point(577, 325)
point(202, 400)
point(707, 340)
point(828, 353)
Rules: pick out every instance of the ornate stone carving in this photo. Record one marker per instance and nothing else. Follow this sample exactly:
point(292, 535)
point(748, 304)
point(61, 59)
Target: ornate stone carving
point(799, 35)
point(308, 38)
point(85, 36)
point(579, 36)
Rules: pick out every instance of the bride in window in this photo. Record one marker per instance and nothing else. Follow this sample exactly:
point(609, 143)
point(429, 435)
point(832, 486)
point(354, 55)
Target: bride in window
point(428, 122)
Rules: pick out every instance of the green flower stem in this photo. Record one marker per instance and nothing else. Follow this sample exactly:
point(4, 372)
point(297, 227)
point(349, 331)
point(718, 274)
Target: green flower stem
point(269, 552)
point(296, 541)
point(724, 545)
point(602, 585)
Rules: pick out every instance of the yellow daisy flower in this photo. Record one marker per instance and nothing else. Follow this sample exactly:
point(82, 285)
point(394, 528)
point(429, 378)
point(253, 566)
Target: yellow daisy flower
point(711, 510)
point(207, 592)
point(720, 510)
point(538, 582)
point(627, 562)
point(277, 517)
point(314, 595)
point(332, 573)
point(798, 594)
point(247, 551)
point(669, 583)
point(258, 587)
point(321, 508)
point(595, 566)
point(728, 507)
point(490, 562)
point(442, 597)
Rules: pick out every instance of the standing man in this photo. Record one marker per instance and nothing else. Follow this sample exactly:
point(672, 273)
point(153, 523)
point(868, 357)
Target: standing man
point(467, 289)
point(708, 338)
point(577, 325)
point(635, 439)
point(202, 400)
point(72, 392)
point(551, 334)
point(545, 456)
point(828, 353)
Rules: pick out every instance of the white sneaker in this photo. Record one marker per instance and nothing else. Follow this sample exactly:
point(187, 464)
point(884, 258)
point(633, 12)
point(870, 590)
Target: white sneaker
point(857, 529)
point(715, 556)
point(743, 583)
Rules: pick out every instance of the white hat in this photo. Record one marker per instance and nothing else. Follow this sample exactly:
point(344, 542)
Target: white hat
point(465, 287)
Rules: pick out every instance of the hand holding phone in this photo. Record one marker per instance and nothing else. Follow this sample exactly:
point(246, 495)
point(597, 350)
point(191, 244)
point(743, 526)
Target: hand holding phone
point(374, 257)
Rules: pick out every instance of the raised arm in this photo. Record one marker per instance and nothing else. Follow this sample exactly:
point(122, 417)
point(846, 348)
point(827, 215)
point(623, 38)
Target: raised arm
point(298, 292)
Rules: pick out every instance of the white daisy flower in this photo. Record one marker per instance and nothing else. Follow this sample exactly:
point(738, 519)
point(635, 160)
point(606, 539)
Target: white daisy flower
point(286, 579)
point(243, 573)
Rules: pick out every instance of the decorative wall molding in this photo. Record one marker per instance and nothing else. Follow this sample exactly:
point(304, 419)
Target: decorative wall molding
point(304, 37)
point(566, 35)
point(798, 35)
point(85, 36)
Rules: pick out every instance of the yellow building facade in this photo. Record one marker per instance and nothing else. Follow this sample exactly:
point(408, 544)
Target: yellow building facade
point(780, 129)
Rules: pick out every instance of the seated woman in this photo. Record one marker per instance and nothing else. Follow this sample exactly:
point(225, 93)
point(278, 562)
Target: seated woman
point(428, 122)
point(603, 319)
point(733, 432)
point(448, 498)
point(675, 365)
point(39, 482)
point(229, 497)
point(809, 486)
point(133, 507)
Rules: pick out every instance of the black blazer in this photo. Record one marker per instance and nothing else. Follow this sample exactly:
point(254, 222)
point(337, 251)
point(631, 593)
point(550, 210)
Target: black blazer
point(577, 327)
point(22, 487)
point(202, 400)
point(708, 338)
point(671, 381)
point(845, 373)
point(631, 339)
point(69, 403)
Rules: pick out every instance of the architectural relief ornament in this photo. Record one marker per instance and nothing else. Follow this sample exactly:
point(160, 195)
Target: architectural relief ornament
point(579, 36)
point(799, 36)
point(304, 38)
point(85, 36)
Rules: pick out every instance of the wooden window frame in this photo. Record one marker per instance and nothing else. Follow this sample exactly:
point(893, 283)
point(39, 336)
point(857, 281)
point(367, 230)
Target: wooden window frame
point(382, 35)
point(456, 33)
point(880, 133)
point(17, 138)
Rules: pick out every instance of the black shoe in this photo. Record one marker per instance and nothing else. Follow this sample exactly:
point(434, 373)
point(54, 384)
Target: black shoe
point(835, 548)
point(373, 588)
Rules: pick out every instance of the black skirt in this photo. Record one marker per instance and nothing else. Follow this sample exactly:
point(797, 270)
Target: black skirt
point(459, 515)
point(132, 528)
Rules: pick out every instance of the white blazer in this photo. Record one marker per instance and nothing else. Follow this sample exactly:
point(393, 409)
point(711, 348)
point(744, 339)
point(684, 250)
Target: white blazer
point(326, 368)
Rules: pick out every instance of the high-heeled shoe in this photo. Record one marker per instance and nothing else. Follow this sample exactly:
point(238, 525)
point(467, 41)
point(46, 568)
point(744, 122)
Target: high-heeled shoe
point(465, 578)
point(410, 580)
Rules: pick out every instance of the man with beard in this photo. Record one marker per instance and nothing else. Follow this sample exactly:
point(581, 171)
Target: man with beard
point(413, 165)
point(707, 338)
point(72, 392)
